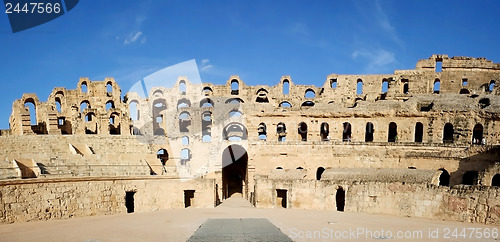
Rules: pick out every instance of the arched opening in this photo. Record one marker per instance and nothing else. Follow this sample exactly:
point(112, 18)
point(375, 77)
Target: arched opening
point(183, 103)
point(159, 105)
point(448, 133)
point(405, 88)
point(207, 103)
point(340, 199)
point(439, 66)
point(285, 104)
point(83, 87)
point(444, 178)
point(30, 106)
point(162, 155)
point(234, 101)
point(477, 134)
point(437, 86)
point(234, 171)
point(369, 132)
point(299, 168)
point(109, 105)
point(419, 132)
point(495, 181)
point(185, 140)
point(286, 87)
point(319, 172)
point(235, 114)
point(325, 132)
point(303, 131)
point(184, 122)
point(206, 138)
point(185, 156)
point(464, 91)
point(393, 132)
point(262, 131)
point(307, 104)
point(470, 178)
point(262, 96)
point(235, 132)
point(235, 87)
point(385, 85)
point(58, 104)
point(206, 126)
point(346, 133)
point(281, 131)
point(83, 105)
point(182, 87)
point(129, 201)
point(333, 83)
point(309, 94)
point(491, 86)
point(134, 112)
point(359, 87)
point(207, 91)
point(114, 124)
point(109, 87)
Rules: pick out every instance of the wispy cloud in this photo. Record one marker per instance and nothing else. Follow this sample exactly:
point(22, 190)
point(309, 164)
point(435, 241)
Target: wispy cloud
point(384, 23)
point(205, 66)
point(136, 35)
point(133, 37)
point(377, 60)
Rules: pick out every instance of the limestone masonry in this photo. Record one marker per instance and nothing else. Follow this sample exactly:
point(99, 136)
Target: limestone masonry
point(419, 143)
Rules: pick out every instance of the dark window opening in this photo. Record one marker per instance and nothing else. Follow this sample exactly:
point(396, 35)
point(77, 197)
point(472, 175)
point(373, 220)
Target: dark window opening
point(184, 122)
point(325, 132)
point(464, 91)
point(262, 130)
point(346, 133)
point(340, 199)
point(470, 178)
point(484, 102)
point(281, 131)
point(281, 200)
point(162, 155)
point(369, 132)
point(319, 172)
point(60, 121)
point(235, 87)
point(496, 181)
point(129, 201)
point(303, 131)
point(419, 132)
point(464, 82)
point(477, 135)
point(393, 132)
point(405, 86)
point(188, 198)
point(426, 107)
point(307, 104)
point(448, 132)
point(444, 178)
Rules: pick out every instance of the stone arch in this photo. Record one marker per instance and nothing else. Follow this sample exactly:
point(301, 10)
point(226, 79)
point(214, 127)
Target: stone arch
point(495, 181)
point(369, 132)
point(319, 173)
point(183, 103)
point(285, 104)
point(182, 87)
point(302, 130)
point(436, 86)
point(109, 105)
point(448, 132)
point(470, 178)
point(84, 87)
point(262, 96)
point(84, 105)
point(162, 155)
point(58, 103)
point(207, 91)
point(262, 131)
point(393, 132)
point(281, 131)
point(159, 105)
point(464, 91)
point(325, 131)
point(30, 105)
point(234, 101)
point(184, 121)
point(206, 103)
point(359, 87)
point(419, 132)
point(109, 87)
point(385, 85)
point(346, 132)
point(235, 87)
point(134, 110)
point(114, 124)
point(444, 178)
point(477, 134)
point(340, 199)
point(309, 93)
point(235, 132)
point(307, 104)
point(185, 156)
point(285, 87)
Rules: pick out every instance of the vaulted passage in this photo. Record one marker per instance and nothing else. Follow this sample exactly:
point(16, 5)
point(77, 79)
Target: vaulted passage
point(496, 181)
point(470, 178)
point(234, 171)
point(281, 198)
point(129, 201)
point(188, 198)
point(444, 178)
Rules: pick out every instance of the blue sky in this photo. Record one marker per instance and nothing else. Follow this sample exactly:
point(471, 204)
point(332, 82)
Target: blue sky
point(258, 40)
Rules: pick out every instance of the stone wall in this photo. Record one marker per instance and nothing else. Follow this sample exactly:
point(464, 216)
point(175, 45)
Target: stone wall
point(32, 200)
point(477, 204)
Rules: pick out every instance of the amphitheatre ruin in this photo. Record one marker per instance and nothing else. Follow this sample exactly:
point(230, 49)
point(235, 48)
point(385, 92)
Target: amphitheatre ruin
point(421, 143)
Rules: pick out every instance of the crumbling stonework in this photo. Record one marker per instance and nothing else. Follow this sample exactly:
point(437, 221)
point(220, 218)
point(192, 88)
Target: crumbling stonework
point(432, 132)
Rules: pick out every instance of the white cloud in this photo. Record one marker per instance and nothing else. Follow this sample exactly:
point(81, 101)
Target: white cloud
point(385, 24)
point(204, 61)
point(377, 60)
point(133, 37)
point(205, 66)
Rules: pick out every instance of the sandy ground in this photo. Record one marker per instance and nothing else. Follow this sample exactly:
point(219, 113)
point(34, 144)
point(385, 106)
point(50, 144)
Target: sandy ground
point(300, 225)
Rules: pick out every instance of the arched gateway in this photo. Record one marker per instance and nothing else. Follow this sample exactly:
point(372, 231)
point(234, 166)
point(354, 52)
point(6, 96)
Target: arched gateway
point(234, 171)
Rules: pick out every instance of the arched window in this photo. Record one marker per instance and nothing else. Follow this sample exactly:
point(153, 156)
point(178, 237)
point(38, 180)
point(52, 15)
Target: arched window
point(185, 140)
point(83, 87)
point(84, 105)
point(285, 104)
point(184, 116)
point(30, 106)
point(184, 122)
point(477, 134)
point(385, 85)
point(470, 178)
point(262, 96)
point(439, 66)
point(207, 116)
point(309, 94)
point(419, 132)
point(262, 131)
point(464, 91)
point(234, 101)
point(393, 132)
point(444, 178)
point(324, 132)
point(235, 132)
point(491, 86)
point(405, 88)
point(448, 133)
point(183, 103)
point(114, 124)
point(206, 103)
point(185, 156)
point(235, 87)
point(286, 87)
point(182, 87)
point(359, 87)
point(319, 172)
point(58, 104)
point(207, 91)
point(346, 133)
point(109, 87)
point(281, 131)
point(110, 104)
point(369, 132)
point(206, 138)
point(333, 83)
point(235, 114)
point(134, 112)
point(162, 155)
point(303, 131)
point(437, 86)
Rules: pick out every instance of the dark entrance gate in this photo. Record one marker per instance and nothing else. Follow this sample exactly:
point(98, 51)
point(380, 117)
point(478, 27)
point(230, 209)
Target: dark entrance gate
point(234, 171)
